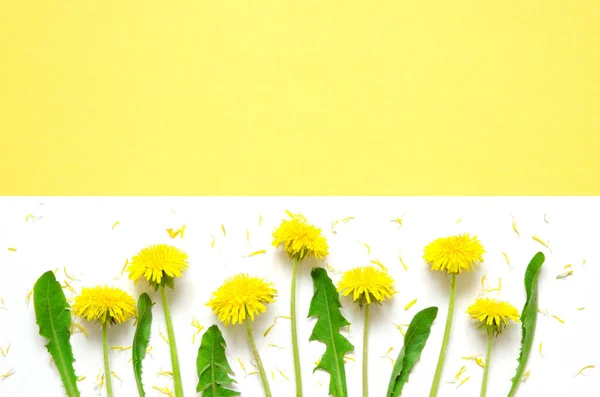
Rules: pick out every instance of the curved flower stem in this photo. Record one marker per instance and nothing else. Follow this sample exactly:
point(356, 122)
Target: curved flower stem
point(107, 374)
point(442, 357)
point(172, 344)
point(261, 369)
point(487, 366)
point(365, 363)
point(297, 370)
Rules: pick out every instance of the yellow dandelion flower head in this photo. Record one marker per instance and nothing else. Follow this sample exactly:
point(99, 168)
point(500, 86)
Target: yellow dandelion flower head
point(454, 254)
point(241, 296)
point(300, 239)
point(367, 285)
point(158, 264)
point(492, 314)
point(104, 305)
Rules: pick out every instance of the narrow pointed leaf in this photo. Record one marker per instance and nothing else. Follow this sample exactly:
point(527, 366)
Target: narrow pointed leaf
point(212, 365)
point(141, 338)
point(53, 316)
point(325, 305)
point(528, 317)
point(414, 342)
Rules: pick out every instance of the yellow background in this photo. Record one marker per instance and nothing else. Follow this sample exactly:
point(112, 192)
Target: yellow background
point(300, 97)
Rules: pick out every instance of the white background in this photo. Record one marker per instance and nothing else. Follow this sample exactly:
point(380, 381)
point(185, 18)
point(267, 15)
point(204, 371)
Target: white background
point(76, 233)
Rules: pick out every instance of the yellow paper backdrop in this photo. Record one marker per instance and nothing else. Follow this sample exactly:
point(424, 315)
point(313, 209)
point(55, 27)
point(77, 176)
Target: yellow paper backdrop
point(300, 97)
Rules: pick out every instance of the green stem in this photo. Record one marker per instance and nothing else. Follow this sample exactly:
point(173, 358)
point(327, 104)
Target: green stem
point(261, 369)
point(107, 374)
point(487, 365)
point(297, 370)
point(365, 363)
point(172, 344)
point(440, 365)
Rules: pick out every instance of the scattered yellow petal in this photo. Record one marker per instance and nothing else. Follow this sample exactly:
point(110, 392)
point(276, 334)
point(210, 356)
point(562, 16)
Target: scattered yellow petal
point(558, 318)
point(581, 308)
point(28, 298)
point(223, 230)
point(410, 304)
point(176, 232)
point(460, 372)
point(274, 345)
point(349, 358)
point(81, 378)
point(114, 225)
point(260, 220)
point(328, 266)
point(248, 236)
point(7, 374)
point(541, 354)
point(120, 348)
point(479, 362)
point(212, 243)
point(164, 390)
point(391, 360)
point(333, 225)
point(565, 274)
point(116, 376)
point(389, 351)
point(463, 381)
point(402, 262)
point(78, 328)
point(348, 219)
point(514, 226)
point(242, 365)
point(580, 372)
point(458, 221)
point(584, 262)
point(282, 374)
point(164, 338)
point(539, 240)
point(125, 266)
point(165, 373)
point(368, 247)
point(4, 352)
point(378, 263)
point(507, 260)
point(526, 376)
point(399, 220)
point(259, 252)
point(12, 249)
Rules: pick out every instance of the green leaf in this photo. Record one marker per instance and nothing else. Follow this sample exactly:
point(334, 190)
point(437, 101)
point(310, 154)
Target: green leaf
point(528, 317)
point(213, 367)
point(325, 305)
point(53, 316)
point(141, 338)
point(414, 342)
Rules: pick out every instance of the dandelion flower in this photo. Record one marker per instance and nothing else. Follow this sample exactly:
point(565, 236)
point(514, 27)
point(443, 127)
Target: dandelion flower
point(241, 296)
point(300, 239)
point(454, 254)
point(367, 285)
point(157, 262)
point(160, 264)
point(492, 314)
point(105, 305)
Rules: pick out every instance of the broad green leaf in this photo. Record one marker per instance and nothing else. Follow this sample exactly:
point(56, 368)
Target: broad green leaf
point(325, 305)
point(141, 338)
point(213, 367)
point(414, 342)
point(528, 317)
point(53, 317)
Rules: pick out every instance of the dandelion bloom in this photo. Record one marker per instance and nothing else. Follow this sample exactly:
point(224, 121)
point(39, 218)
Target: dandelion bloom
point(300, 239)
point(492, 314)
point(241, 295)
point(454, 254)
point(367, 284)
point(157, 262)
point(104, 305)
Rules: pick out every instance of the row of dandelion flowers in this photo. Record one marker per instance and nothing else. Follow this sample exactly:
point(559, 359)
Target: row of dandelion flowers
point(243, 297)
